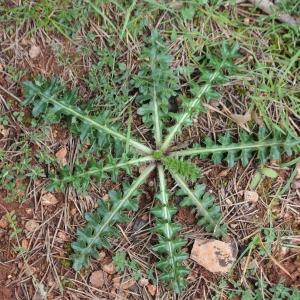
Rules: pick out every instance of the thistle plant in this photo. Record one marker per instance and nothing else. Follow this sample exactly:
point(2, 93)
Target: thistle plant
point(156, 82)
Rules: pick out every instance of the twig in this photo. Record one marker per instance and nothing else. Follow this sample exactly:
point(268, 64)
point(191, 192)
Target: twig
point(278, 264)
point(10, 94)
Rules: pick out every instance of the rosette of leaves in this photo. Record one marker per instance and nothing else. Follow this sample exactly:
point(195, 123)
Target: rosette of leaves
point(156, 83)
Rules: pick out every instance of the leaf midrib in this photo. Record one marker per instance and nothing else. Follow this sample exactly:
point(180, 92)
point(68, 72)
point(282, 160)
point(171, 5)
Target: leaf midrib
point(233, 147)
point(104, 128)
point(129, 192)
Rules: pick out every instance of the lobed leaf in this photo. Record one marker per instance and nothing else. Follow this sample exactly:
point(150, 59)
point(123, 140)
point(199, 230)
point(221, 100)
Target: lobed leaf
point(157, 83)
point(185, 168)
point(100, 223)
point(204, 91)
point(264, 147)
point(169, 245)
point(210, 213)
point(53, 101)
point(81, 175)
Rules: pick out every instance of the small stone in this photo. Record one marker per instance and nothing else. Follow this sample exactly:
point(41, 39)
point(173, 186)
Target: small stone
point(50, 296)
point(109, 268)
point(214, 103)
point(120, 295)
point(20, 265)
point(61, 156)
point(97, 279)
point(51, 283)
point(193, 276)
point(138, 224)
point(2, 233)
point(298, 171)
point(32, 40)
point(250, 196)
point(62, 236)
point(142, 168)
point(247, 21)
point(116, 282)
point(145, 217)
point(29, 270)
point(48, 199)
point(34, 51)
point(39, 296)
point(4, 131)
point(143, 282)
point(102, 255)
point(25, 244)
point(241, 119)
point(31, 225)
point(244, 262)
point(3, 222)
point(215, 256)
point(255, 115)
point(73, 211)
point(151, 183)
point(296, 184)
point(223, 173)
point(125, 285)
point(284, 251)
point(73, 296)
point(105, 197)
point(29, 211)
point(151, 289)
point(24, 42)
point(228, 201)
point(233, 225)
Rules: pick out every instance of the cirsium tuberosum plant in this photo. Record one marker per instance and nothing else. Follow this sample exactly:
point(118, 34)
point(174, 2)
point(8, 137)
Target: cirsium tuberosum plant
point(156, 83)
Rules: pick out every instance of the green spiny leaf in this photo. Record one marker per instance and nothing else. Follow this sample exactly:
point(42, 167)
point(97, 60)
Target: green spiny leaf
point(205, 90)
point(57, 102)
point(157, 83)
point(182, 167)
point(100, 223)
point(169, 245)
point(209, 212)
point(265, 145)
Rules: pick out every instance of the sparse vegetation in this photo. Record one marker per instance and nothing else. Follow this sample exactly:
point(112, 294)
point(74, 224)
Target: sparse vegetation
point(136, 128)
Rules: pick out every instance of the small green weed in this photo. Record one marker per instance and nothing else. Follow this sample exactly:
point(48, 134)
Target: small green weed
point(19, 115)
point(109, 81)
point(18, 170)
point(290, 6)
point(15, 74)
point(260, 174)
point(4, 120)
point(66, 17)
point(11, 218)
point(260, 290)
point(121, 262)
